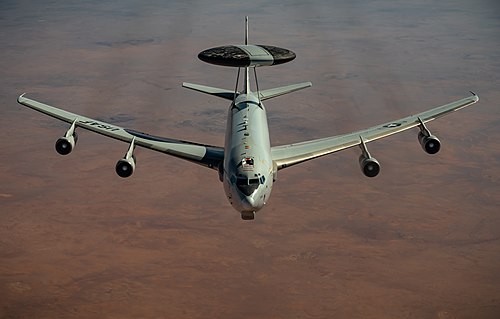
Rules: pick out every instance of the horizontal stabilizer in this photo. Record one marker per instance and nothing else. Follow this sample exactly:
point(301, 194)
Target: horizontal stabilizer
point(269, 94)
point(222, 93)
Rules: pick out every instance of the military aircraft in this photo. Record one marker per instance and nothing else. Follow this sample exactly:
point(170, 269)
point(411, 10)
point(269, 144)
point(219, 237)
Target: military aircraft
point(248, 165)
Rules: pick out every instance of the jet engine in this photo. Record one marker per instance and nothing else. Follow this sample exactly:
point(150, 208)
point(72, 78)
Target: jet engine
point(368, 164)
point(126, 166)
point(430, 143)
point(66, 144)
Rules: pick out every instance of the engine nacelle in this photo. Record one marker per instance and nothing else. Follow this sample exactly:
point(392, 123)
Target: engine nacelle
point(369, 166)
point(125, 167)
point(66, 144)
point(430, 143)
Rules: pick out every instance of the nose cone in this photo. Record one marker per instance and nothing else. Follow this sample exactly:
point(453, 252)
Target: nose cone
point(248, 204)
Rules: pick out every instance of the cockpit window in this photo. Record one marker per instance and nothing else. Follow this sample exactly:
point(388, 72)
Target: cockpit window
point(247, 186)
point(262, 179)
point(241, 181)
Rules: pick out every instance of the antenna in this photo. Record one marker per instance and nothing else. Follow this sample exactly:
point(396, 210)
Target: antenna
point(246, 30)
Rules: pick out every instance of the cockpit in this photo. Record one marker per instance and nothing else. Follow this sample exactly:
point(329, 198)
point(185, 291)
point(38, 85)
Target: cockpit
point(247, 181)
point(247, 185)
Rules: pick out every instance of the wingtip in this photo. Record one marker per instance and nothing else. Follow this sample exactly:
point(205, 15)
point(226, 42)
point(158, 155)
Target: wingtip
point(20, 97)
point(475, 95)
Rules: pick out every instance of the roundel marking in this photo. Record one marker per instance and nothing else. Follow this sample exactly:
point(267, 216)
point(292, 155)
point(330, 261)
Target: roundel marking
point(390, 125)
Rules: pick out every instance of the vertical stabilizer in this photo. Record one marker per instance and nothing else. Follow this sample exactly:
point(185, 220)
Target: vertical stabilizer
point(246, 84)
point(246, 30)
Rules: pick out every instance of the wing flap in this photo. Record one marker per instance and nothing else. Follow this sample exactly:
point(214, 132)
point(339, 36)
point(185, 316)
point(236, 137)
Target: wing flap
point(287, 155)
point(205, 155)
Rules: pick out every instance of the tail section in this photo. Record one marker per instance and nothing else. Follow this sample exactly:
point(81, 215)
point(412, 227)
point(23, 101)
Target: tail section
point(248, 57)
point(246, 83)
point(230, 95)
point(246, 30)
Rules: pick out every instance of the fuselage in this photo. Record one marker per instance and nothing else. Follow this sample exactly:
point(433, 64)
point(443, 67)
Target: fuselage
point(248, 166)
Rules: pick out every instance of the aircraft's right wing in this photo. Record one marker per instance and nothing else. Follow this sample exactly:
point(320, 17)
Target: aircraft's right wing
point(287, 155)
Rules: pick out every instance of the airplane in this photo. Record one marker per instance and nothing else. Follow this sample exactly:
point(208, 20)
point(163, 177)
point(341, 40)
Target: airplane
point(248, 165)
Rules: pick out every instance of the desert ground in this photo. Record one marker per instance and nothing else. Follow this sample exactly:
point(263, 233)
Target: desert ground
point(421, 240)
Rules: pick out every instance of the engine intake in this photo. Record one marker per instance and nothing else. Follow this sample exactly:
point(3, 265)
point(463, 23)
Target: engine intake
point(126, 166)
point(66, 144)
point(369, 166)
point(430, 144)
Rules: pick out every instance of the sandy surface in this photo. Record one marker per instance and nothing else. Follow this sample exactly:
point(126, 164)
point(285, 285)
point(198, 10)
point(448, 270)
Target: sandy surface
point(422, 240)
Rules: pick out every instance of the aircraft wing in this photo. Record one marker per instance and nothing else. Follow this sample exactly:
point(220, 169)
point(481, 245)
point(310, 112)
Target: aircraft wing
point(287, 155)
point(206, 155)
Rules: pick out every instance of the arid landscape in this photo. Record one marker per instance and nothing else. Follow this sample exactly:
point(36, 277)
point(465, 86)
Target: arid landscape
point(421, 240)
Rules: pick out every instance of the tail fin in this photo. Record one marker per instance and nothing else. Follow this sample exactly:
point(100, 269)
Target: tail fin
point(246, 80)
point(222, 93)
point(269, 94)
point(246, 30)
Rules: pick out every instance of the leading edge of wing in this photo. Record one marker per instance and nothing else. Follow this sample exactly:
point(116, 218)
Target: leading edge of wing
point(206, 155)
point(291, 154)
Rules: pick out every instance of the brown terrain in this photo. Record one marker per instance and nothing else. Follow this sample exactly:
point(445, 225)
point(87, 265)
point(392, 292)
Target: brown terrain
point(422, 240)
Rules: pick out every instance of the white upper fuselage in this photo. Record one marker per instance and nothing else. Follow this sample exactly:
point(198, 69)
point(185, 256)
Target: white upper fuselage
point(248, 166)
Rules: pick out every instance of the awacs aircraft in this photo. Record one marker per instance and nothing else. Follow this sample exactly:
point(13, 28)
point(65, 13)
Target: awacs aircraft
point(247, 164)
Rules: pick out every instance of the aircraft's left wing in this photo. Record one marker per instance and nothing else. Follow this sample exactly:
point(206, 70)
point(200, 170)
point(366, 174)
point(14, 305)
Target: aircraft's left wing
point(287, 155)
point(206, 155)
